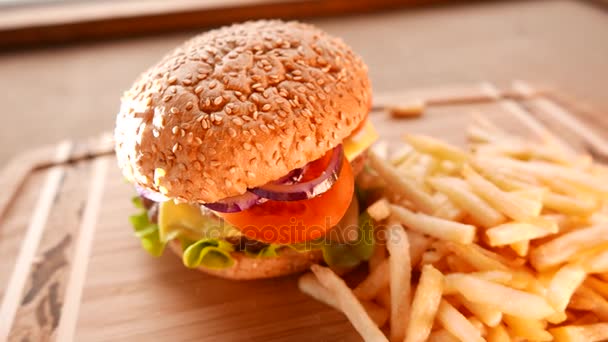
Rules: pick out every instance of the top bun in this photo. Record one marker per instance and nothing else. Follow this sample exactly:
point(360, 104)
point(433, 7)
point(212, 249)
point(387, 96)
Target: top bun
point(238, 107)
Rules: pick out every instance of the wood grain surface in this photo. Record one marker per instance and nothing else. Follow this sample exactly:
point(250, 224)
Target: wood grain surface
point(71, 269)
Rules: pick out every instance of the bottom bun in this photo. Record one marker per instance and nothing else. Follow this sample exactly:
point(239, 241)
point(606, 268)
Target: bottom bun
point(245, 267)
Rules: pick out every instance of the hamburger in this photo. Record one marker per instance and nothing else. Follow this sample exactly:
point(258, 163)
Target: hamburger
point(244, 144)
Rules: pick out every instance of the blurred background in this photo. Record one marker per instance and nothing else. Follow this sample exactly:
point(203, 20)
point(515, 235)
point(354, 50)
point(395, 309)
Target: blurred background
point(65, 63)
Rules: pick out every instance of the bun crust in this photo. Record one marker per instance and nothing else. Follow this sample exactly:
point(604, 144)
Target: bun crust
point(247, 268)
point(238, 107)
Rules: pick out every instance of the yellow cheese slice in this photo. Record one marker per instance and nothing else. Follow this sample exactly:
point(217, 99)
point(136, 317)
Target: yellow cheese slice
point(360, 141)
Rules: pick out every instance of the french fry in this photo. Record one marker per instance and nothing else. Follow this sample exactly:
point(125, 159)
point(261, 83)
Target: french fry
point(519, 303)
point(413, 109)
point(562, 286)
point(509, 233)
point(597, 285)
point(499, 277)
point(309, 284)
point(400, 269)
point(597, 263)
point(456, 323)
point(437, 148)
point(379, 210)
point(401, 154)
point(509, 204)
point(564, 247)
point(498, 334)
point(528, 329)
point(586, 181)
point(447, 210)
point(475, 258)
point(569, 205)
point(587, 299)
point(405, 187)
point(521, 248)
point(458, 265)
point(418, 245)
point(349, 304)
point(375, 281)
point(425, 304)
point(581, 333)
point(436, 227)
point(486, 314)
point(475, 322)
point(442, 336)
point(459, 192)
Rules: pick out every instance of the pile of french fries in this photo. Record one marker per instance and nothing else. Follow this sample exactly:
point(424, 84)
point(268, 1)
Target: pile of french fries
point(505, 241)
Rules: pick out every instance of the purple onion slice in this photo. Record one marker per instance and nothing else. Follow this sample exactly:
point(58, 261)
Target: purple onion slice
point(236, 203)
point(150, 194)
point(292, 177)
point(305, 190)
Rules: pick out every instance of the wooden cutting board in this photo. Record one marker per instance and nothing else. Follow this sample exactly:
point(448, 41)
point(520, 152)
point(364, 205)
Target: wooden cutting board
point(71, 269)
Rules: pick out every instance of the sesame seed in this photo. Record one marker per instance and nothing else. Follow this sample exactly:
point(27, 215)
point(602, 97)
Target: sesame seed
point(187, 82)
point(297, 78)
point(297, 72)
point(228, 109)
point(209, 181)
point(253, 132)
point(172, 80)
point(167, 98)
point(155, 133)
point(271, 126)
point(207, 102)
point(190, 137)
point(228, 183)
point(198, 89)
point(238, 121)
point(218, 100)
point(255, 115)
point(175, 148)
point(214, 163)
point(247, 146)
point(256, 85)
point(197, 165)
point(175, 129)
point(189, 106)
point(200, 118)
point(250, 174)
point(232, 169)
point(231, 132)
point(266, 107)
point(182, 132)
point(212, 85)
point(198, 141)
point(154, 149)
point(259, 146)
point(173, 110)
point(205, 124)
point(268, 68)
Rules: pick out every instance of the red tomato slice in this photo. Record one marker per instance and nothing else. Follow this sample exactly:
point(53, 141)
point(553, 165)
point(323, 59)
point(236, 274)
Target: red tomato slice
point(287, 222)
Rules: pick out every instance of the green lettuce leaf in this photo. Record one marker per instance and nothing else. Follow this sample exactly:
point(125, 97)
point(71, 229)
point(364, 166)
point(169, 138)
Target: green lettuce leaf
point(146, 230)
point(210, 253)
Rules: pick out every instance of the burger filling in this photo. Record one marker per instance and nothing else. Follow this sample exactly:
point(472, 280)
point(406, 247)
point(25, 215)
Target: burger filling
point(296, 211)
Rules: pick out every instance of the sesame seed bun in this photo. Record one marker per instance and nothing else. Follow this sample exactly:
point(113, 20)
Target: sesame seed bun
point(287, 262)
point(238, 107)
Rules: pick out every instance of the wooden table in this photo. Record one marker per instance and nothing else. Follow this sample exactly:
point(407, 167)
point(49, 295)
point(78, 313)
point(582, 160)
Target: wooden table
point(73, 92)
